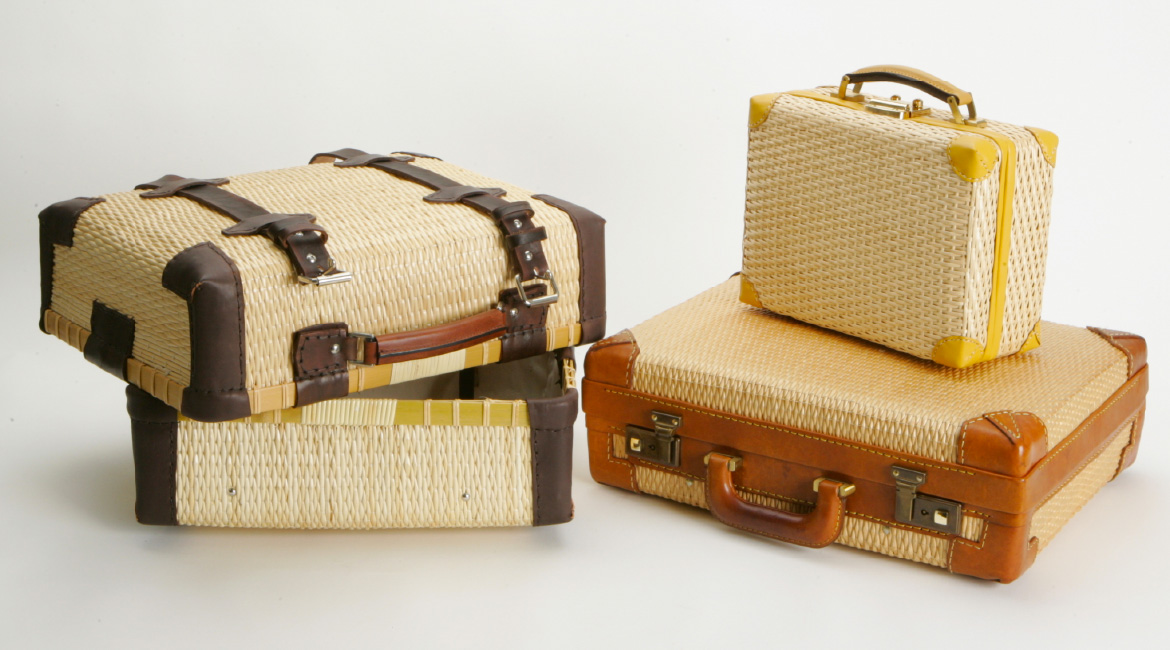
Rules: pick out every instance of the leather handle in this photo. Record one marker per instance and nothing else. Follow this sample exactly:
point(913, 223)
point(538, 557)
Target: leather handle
point(924, 81)
point(435, 340)
point(816, 529)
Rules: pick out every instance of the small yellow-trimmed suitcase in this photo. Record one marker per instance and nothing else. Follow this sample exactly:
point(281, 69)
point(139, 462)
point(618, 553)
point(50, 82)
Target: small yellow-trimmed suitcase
point(487, 446)
point(810, 436)
point(229, 297)
point(923, 230)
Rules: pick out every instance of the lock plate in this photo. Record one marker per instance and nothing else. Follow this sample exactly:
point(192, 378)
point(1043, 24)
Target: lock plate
point(658, 445)
point(923, 510)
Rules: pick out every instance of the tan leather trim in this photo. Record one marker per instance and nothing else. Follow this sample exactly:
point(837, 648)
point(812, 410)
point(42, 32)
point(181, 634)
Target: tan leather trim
point(1003, 554)
point(611, 360)
point(1004, 442)
point(1132, 345)
point(1129, 454)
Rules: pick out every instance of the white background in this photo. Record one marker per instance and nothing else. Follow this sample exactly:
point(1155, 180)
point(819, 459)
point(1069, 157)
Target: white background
point(637, 110)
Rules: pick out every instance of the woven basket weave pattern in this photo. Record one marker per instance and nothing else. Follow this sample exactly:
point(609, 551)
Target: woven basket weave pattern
point(779, 370)
point(434, 263)
point(832, 238)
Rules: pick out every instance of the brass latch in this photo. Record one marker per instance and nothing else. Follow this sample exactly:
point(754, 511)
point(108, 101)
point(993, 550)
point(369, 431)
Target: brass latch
point(659, 445)
point(895, 107)
point(923, 510)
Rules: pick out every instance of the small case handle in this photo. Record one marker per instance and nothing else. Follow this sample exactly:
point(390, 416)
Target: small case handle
point(915, 78)
point(816, 529)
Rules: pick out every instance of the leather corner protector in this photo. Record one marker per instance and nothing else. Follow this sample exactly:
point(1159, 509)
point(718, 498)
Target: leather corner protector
point(551, 421)
point(1048, 142)
point(1005, 553)
point(611, 360)
point(761, 107)
point(154, 438)
point(747, 293)
point(57, 224)
point(1132, 345)
point(1033, 340)
point(1004, 442)
point(972, 157)
point(957, 352)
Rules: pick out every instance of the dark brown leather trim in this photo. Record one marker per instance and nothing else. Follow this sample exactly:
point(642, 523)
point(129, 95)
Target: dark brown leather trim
point(209, 281)
point(111, 339)
point(296, 234)
point(320, 363)
point(58, 221)
point(611, 361)
point(526, 335)
point(591, 252)
point(1004, 442)
point(154, 430)
point(1132, 345)
point(552, 423)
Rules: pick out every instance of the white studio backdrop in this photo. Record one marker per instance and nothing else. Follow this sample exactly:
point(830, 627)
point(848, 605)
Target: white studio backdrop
point(637, 110)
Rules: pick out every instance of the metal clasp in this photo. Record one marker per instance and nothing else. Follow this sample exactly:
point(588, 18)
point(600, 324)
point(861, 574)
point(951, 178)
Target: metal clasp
point(363, 339)
point(336, 277)
point(923, 510)
point(553, 295)
point(659, 446)
point(895, 107)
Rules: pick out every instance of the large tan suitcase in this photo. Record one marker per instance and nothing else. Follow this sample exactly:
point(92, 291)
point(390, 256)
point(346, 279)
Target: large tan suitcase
point(813, 437)
point(228, 297)
point(923, 230)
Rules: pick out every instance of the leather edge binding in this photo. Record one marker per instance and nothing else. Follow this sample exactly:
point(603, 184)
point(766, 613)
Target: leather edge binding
point(111, 339)
point(57, 223)
point(209, 281)
point(551, 421)
point(590, 229)
point(154, 429)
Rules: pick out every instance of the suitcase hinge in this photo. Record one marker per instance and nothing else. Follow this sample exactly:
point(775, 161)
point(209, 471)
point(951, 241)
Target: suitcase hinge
point(659, 446)
point(923, 510)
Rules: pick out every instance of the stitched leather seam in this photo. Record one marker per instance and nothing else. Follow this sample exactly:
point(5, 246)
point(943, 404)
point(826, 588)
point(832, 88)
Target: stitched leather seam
point(1084, 427)
point(1092, 457)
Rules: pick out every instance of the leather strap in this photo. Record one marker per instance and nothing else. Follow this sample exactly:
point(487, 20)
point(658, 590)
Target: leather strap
point(514, 218)
point(296, 234)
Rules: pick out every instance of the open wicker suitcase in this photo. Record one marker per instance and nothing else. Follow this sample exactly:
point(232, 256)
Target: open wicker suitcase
point(811, 436)
point(923, 230)
point(486, 446)
point(230, 297)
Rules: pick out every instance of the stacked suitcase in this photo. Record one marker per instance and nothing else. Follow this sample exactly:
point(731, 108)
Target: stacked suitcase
point(878, 375)
point(365, 341)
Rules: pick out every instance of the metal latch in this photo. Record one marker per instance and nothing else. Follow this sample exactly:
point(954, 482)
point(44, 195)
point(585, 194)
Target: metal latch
point(895, 107)
point(659, 445)
point(923, 510)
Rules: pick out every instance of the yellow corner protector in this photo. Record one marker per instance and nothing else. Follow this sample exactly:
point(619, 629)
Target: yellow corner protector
point(972, 157)
point(1048, 142)
point(1033, 340)
point(761, 106)
point(957, 352)
point(747, 293)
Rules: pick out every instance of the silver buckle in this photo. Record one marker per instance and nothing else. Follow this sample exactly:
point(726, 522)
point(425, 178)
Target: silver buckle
point(331, 278)
point(554, 292)
point(361, 348)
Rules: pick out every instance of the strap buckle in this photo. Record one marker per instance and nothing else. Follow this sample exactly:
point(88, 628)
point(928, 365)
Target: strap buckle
point(363, 340)
point(553, 295)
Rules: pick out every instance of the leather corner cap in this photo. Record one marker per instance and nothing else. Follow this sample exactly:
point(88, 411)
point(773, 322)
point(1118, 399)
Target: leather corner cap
point(552, 422)
point(611, 360)
point(1004, 442)
point(1132, 345)
point(58, 221)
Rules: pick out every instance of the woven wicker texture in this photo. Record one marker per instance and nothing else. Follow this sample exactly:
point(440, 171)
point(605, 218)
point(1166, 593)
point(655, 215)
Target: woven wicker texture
point(1056, 512)
point(334, 476)
point(859, 223)
point(715, 352)
point(415, 264)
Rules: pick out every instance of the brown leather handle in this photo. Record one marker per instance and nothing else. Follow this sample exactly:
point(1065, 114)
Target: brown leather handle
point(436, 340)
point(915, 78)
point(816, 529)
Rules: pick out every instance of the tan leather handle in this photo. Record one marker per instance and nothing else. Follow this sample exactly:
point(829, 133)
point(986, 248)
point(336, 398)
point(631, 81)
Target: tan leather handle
point(915, 78)
point(816, 529)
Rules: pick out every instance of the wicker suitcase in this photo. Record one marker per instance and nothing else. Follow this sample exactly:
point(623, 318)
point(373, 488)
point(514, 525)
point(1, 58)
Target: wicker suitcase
point(487, 446)
point(355, 272)
point(810, 436)
point(922, 230)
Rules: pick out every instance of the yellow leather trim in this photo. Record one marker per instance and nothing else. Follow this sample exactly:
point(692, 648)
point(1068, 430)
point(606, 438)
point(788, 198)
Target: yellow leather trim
point(1033, 340)
point(972, 157)
point(747, 293)
point(1048, 142)
point(957, 352)
point(1003, 227)
point(760, 108)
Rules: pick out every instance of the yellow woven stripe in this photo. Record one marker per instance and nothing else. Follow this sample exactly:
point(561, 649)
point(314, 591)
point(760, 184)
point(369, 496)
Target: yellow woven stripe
point(356, 411)
point(1003, 230)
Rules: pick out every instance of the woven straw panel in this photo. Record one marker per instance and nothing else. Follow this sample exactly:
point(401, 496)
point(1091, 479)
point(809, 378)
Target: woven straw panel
point(715, 352)
point(415, 264)
point(867, 229)
point(1056, 512)
point(331, 476)
point(857, 531)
